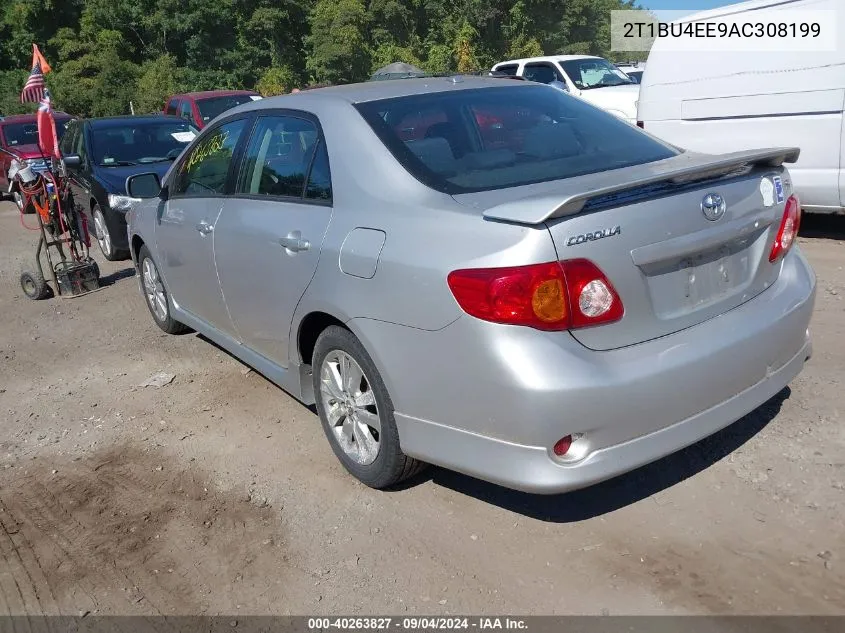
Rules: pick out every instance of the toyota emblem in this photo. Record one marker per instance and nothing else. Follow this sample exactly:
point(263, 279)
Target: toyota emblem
point(713, 206)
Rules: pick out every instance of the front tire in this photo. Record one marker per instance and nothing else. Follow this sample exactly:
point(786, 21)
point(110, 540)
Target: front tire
point(356, 411)
point(104, 240)
point(155, 294)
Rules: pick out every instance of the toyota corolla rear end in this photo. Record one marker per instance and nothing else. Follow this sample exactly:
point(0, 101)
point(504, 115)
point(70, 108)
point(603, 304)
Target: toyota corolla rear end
point(677, 302)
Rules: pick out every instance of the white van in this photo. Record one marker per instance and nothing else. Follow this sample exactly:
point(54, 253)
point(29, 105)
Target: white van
point(725, 101)
point(594, 79)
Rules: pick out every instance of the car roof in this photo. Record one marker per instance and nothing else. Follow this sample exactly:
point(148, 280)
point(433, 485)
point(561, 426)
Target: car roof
point(213, 93)
point(31, 118)
point(548, 58)
point(389, 89)
point(116, 121)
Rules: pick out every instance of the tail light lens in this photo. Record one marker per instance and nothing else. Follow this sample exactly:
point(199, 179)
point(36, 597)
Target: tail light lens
point(788, 230)
point(552, 296)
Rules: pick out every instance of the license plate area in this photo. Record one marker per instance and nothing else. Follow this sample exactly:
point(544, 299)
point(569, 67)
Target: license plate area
point(699, 280)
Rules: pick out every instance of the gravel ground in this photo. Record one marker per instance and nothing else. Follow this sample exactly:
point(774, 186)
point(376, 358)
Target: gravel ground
point(218, 493)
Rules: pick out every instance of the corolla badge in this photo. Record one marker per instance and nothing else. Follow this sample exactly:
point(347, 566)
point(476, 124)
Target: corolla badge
point(713, 206)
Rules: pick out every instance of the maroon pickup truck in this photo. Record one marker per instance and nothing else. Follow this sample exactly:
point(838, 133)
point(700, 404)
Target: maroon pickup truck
point(19, 140)
point(200, 108)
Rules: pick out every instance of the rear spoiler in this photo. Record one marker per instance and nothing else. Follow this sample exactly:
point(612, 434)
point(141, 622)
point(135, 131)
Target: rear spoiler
point(574, 193)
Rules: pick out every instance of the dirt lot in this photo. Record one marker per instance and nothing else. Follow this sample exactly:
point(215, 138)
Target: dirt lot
point(218, 493)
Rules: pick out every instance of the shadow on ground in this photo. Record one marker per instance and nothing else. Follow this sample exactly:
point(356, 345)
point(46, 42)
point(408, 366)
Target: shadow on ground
point(825, 226)
point(108, 280)
point(621, 491)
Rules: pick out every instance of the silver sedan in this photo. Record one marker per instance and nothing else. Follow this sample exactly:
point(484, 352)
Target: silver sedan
point(491, 276)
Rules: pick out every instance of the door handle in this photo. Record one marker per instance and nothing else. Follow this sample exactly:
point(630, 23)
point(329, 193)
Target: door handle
point(294, 242)
point(204, 228)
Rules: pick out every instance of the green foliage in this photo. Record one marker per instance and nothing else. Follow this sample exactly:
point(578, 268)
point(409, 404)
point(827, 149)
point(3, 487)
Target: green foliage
point(278, 80)
point(157, 80)
point(338, 41)
point(108, 53)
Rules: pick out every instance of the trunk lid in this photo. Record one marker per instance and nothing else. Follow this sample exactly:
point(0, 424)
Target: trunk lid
point(645, 228)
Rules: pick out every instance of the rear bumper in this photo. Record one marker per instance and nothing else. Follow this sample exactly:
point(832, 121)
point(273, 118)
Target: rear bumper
point(510, 393)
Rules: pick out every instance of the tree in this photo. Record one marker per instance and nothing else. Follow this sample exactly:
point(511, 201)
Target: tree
point(278, 80)
point(337, 44)
point(158, 79)
point(106, 53)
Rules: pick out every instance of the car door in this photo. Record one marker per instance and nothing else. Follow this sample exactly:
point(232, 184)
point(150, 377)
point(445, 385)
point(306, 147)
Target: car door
point(75, 143)
point(186, 228)
point(270, 232)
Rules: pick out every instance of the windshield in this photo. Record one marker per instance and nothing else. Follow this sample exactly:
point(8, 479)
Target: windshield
point(135, 143)
point(27, 133)
point(215, 106)
point(594, 73)
point(492, 138)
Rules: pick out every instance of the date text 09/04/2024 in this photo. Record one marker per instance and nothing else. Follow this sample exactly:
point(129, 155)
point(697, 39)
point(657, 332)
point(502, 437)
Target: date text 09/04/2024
point(416, 624)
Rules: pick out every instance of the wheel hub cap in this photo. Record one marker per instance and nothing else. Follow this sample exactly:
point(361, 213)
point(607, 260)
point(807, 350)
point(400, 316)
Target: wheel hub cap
point(154, 290)
point(350, 407)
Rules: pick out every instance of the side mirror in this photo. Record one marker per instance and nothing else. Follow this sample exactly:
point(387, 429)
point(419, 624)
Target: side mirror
point(143, 186)
point(72, 160)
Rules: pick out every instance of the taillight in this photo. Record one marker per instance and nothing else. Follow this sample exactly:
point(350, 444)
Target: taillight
point(551, 296)
point(788, 231)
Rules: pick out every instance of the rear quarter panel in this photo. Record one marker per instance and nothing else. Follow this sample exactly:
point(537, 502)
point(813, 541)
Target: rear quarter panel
point(427, 235)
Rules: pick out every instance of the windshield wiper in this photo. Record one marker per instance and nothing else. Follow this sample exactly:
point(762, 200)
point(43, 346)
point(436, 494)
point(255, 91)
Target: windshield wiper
point(119, 163)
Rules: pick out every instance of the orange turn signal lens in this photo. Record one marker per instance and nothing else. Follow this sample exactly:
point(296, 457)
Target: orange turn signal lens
point(549, 301)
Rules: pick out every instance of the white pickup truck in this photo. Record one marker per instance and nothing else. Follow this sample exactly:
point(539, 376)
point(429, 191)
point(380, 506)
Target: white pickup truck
point(594, 79)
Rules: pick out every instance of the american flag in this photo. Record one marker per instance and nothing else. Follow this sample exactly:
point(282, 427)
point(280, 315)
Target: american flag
point(33, 91)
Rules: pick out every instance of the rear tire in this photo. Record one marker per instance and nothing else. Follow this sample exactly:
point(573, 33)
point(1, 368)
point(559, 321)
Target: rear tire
point(356, 411)
point(155, 294)
point(35, 286)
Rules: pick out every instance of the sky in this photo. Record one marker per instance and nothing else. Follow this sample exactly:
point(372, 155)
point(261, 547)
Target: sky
point(690, 6)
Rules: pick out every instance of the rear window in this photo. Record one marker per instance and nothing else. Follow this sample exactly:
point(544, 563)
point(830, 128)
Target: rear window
point(494, 138)
point(213, 107)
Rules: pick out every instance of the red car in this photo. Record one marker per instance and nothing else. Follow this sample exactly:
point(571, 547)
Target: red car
point(19, 140)
point(202, 107)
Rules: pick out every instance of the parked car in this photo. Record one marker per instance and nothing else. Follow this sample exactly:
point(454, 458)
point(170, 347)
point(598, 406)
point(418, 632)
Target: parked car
point(19, 141)
point(634, 70)
point(201, 107)
point(747, 99)
point(544, 304)
point(594, 79)
point(102, 153)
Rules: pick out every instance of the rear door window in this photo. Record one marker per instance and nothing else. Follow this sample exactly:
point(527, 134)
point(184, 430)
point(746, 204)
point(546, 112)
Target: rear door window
point(508, 69)
point(541, 72)
point(278, 157)
point(492, 138)
point(172, 106)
